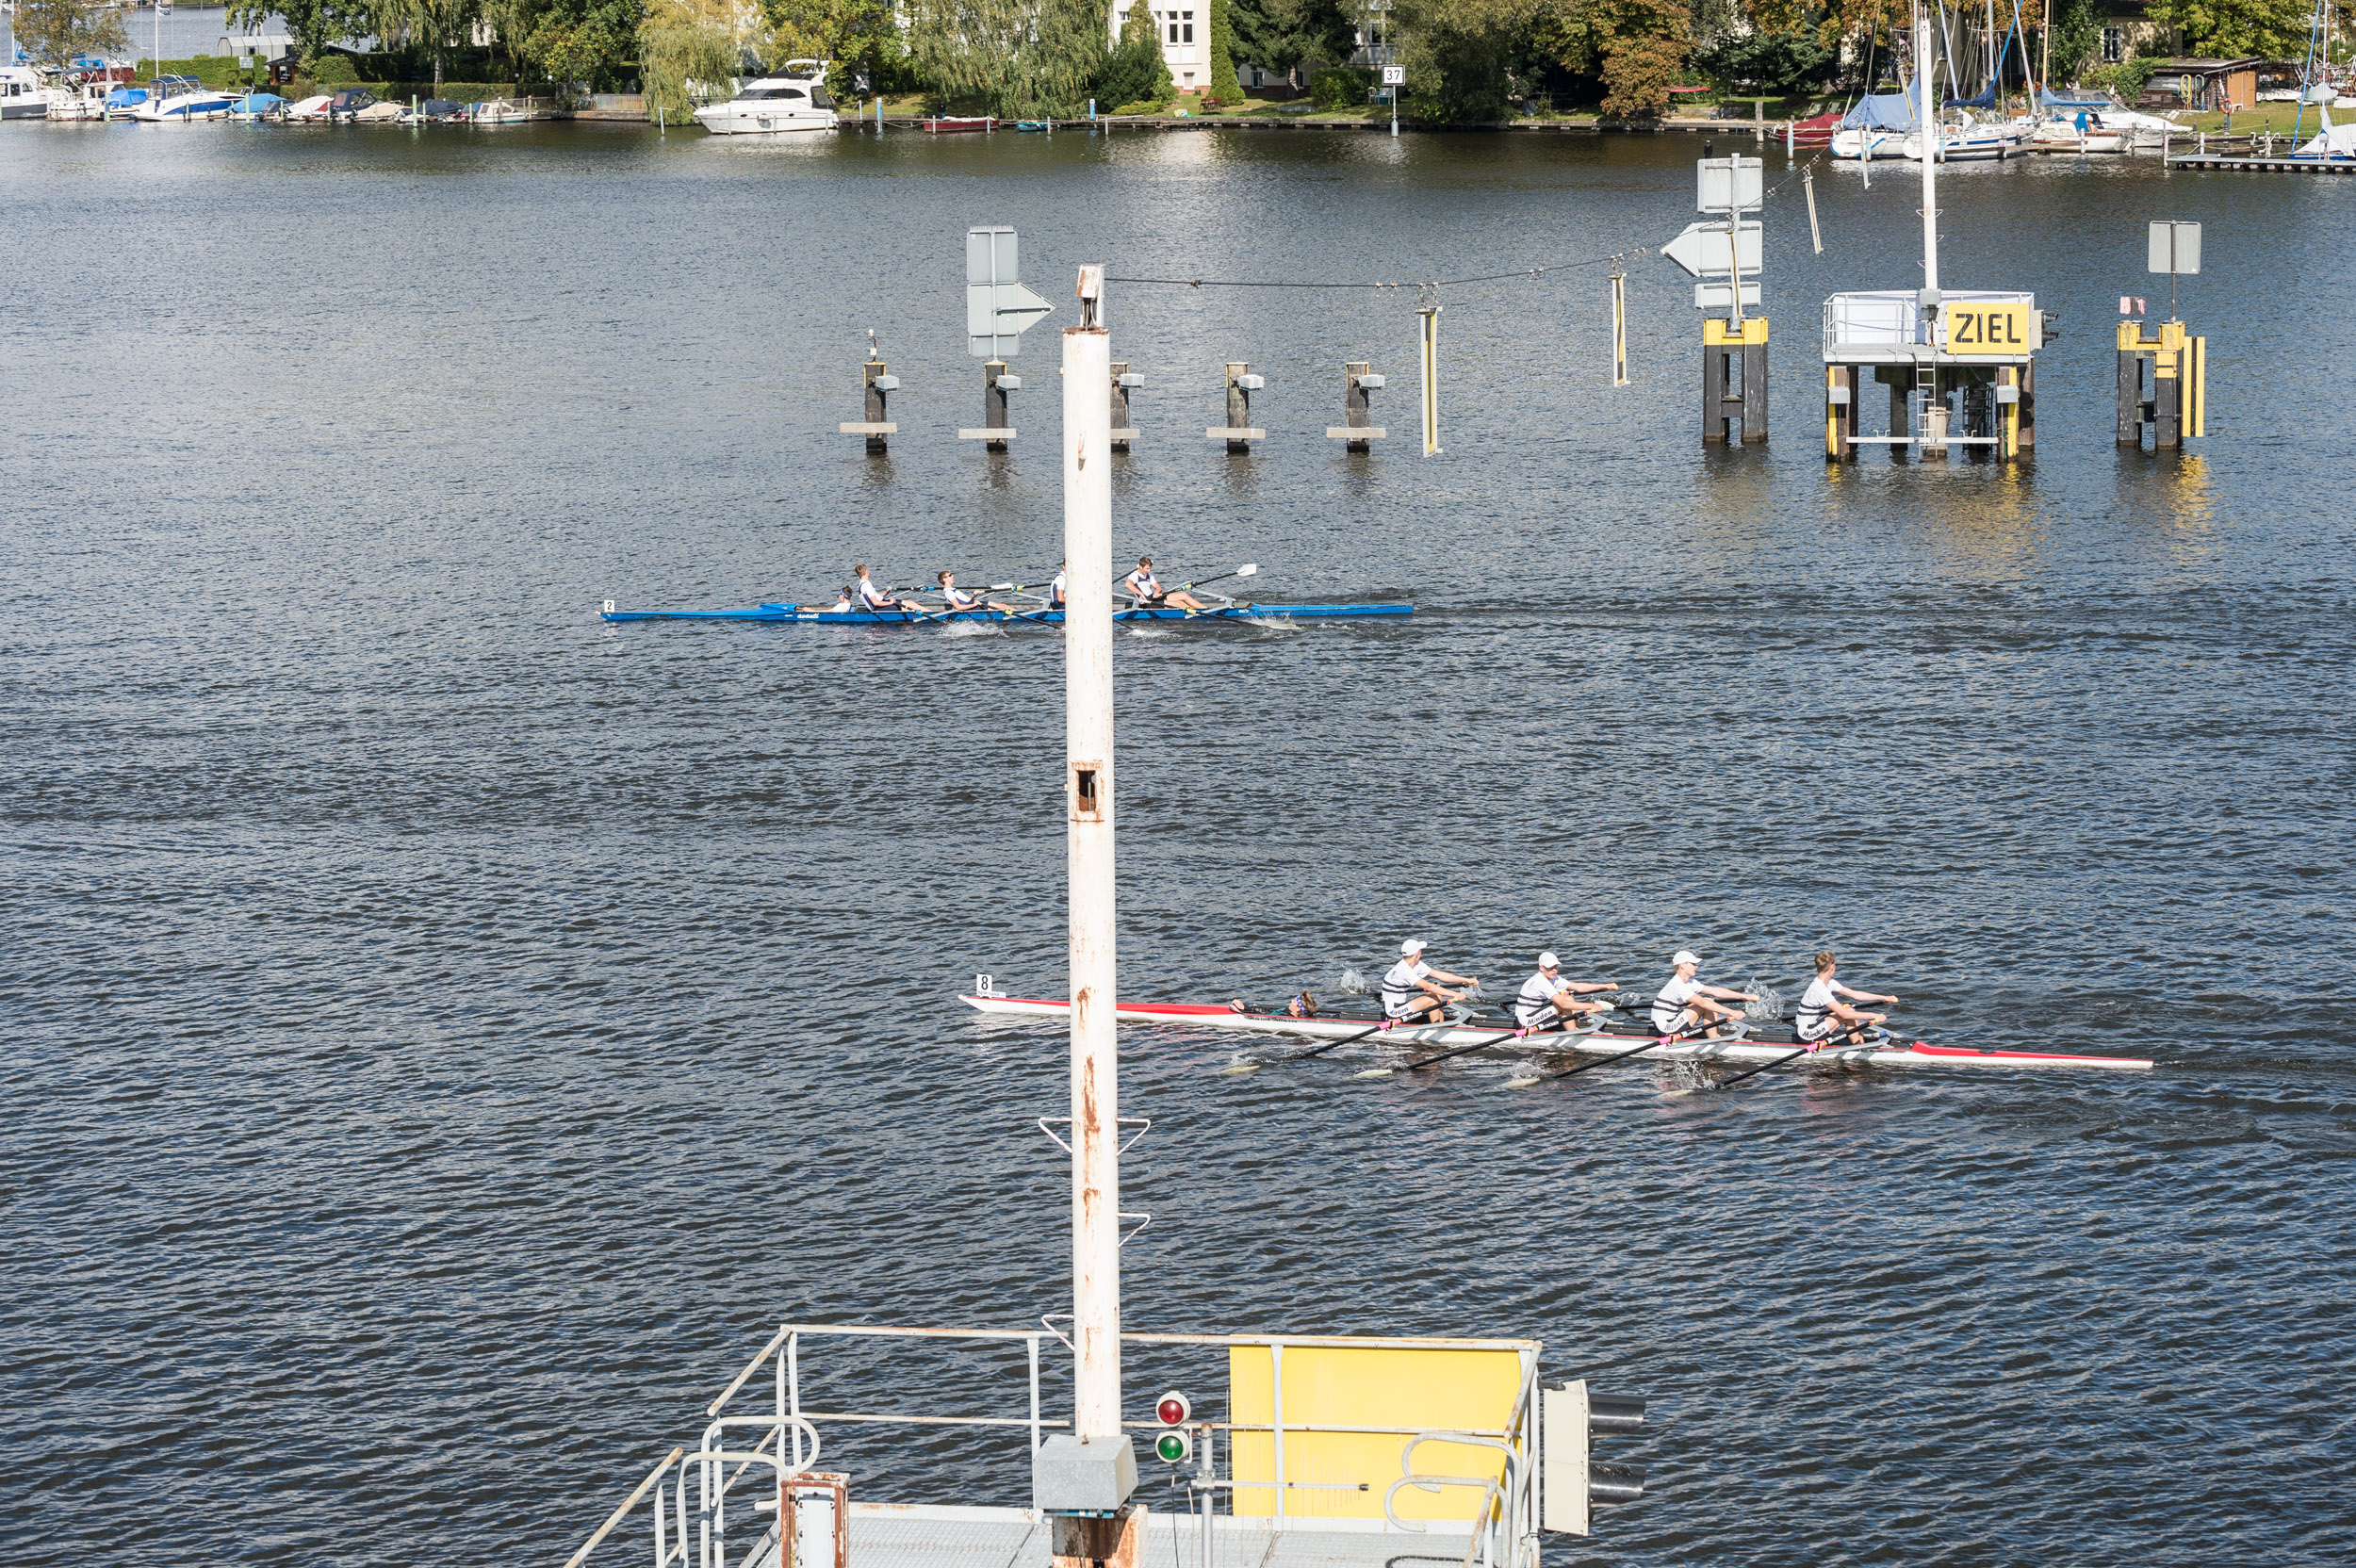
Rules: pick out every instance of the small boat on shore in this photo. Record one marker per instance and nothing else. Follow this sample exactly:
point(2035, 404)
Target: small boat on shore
point(944, 124)
point(1610, 1040)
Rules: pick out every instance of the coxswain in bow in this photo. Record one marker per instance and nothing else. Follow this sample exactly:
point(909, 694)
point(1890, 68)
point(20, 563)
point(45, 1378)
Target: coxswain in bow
point(1414, 991)
point(1141, 585)
point(1821, 1016)
point(1546, 999)
point(1685, 1003)
point(881, 599)
point(955, 599)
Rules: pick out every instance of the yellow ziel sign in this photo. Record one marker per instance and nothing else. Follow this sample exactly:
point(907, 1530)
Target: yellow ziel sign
point(1989, 329)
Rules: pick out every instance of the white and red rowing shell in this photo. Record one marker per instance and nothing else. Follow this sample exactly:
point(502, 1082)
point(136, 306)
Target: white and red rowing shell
point(1601, 1042)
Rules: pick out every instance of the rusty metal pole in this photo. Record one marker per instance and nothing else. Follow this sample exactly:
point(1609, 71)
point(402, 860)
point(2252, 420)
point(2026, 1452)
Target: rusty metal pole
point(1087, 531)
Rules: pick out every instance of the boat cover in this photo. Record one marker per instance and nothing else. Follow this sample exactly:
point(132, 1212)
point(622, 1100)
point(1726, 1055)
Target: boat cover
point(1890, 111)
point(258, 102)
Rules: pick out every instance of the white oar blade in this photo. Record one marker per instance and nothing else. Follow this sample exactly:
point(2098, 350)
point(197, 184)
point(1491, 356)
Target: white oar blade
point(1247, 570)
point(1238, 1068)
point(1375, 1072)
point(1523, 1083)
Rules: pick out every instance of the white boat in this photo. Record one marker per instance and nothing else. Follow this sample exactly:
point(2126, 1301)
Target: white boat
point(2063, 136)
point(23, 95)
point(184, 98)
point(1877, 127)
point(1614, 1040)
point(1969, 141)
point(794, 100)
point(495, 111)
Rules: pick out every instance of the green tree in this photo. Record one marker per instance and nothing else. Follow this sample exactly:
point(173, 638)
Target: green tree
point(1223, 84)
point(571, 41)
point(312, 25)
point(434, 27)
point(859, 36)
point(55, 31)
point(1280, 35)
point(686, 46)
point(2271, 29)
point(1022, 57)
point(1776, 63)
point(1455, 53)
point(2076, 31)
point(1136, 70)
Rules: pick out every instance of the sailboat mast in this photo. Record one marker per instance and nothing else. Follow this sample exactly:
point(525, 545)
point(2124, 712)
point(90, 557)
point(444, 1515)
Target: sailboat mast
point(1923, 73)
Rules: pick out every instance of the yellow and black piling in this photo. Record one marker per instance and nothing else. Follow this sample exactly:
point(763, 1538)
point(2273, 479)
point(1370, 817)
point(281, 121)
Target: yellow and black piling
point(1734, 380)
point(2177, 408)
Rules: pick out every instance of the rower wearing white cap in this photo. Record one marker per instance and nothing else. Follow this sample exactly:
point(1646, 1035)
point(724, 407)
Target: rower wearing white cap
point(1546, 998)
point(1821, 1013)
point(1685, 1003)
point(1414, 990)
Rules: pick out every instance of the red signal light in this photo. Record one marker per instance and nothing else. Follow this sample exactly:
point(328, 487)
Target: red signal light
point(1172, 1409)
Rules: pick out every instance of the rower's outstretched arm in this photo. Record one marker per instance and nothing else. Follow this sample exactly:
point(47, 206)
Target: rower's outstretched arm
point(1454, 979)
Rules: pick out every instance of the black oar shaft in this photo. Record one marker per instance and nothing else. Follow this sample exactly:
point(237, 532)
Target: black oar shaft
point(1794, 1056)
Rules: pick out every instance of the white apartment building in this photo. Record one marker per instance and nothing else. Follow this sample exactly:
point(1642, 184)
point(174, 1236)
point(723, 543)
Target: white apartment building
point(1189, 61)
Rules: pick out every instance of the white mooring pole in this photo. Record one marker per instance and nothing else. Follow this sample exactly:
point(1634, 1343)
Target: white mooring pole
point(1087, 628)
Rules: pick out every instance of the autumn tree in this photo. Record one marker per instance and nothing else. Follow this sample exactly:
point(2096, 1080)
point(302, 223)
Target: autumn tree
point(53, 32)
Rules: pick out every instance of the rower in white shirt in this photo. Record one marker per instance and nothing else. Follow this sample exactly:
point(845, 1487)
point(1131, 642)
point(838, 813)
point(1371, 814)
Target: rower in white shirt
point(1545, 998)
point(1142, 586)
point(1414, 991)
point(1056, 590)
point(1822, 1015)
point(879, 600)
point(1685, 1003)
point(956, 599)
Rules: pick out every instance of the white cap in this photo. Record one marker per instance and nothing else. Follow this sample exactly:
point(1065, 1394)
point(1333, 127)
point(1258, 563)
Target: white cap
point(1548, 960)
point(1684, 957)
point(1412, 946)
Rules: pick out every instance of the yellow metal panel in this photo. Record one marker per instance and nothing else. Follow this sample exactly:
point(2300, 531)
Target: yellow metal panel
point(1366, 1386)
point(1990, 329)
point(2199, 390)
point(2130, 336)
point(1753, 329)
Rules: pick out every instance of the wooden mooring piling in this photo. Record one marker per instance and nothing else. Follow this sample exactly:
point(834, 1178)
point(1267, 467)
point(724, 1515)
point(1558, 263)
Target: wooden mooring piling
point(995, 430)
point(1356, 431)
point(1734, 380)
point(1239, 431)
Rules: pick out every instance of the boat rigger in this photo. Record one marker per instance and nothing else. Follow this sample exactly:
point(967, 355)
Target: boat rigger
point(1598, 1040)
point(819, 615)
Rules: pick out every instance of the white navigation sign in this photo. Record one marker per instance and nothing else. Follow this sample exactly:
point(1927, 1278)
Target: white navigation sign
point(997, 307)
point(1702, 248)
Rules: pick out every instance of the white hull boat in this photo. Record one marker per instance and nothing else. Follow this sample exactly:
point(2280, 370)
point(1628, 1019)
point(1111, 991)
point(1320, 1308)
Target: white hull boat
point(188, 105)
point(1612, 1039)
point(791, 102)
point(1871, 143)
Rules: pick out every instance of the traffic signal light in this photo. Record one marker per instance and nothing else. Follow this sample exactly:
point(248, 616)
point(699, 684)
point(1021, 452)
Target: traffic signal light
point(1572, 1481)
point(1174, 1444)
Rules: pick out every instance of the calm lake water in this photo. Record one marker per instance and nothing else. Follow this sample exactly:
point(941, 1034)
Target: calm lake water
point(449, 1033)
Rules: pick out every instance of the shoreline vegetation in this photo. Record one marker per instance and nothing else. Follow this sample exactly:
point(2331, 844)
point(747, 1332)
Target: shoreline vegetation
point(1465, 62)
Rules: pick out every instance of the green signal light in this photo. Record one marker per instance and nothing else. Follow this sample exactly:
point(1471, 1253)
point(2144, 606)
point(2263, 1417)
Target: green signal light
point(1172, 1447)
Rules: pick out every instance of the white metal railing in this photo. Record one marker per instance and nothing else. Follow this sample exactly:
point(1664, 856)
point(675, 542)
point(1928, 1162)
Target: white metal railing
point(1503, 1524)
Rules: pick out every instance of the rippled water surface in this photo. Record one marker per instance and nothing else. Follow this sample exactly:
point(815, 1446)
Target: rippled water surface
point(450, 1032)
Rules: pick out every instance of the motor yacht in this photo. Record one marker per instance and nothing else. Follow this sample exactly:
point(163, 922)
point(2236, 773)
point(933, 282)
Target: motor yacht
point(25, 96)
point(793, 100)
point(185, 98)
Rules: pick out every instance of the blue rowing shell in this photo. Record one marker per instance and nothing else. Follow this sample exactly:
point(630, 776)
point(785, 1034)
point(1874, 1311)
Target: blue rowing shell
point(874, 617)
